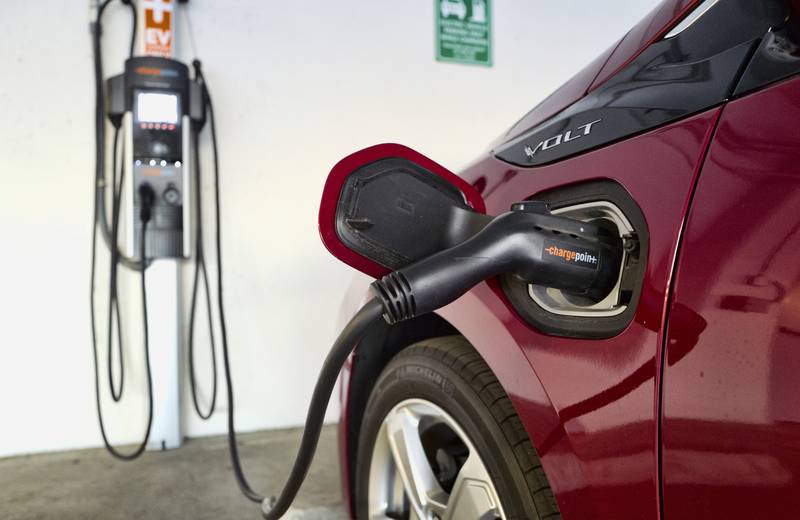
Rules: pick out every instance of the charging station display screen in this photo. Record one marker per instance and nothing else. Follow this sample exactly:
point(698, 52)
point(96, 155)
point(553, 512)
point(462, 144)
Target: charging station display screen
point(152, 107)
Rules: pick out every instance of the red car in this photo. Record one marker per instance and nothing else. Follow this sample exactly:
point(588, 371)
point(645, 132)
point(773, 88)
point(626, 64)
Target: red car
point(678, 394)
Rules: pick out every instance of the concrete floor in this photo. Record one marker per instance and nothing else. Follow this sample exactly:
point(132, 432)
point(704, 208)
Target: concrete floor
point(193, 482)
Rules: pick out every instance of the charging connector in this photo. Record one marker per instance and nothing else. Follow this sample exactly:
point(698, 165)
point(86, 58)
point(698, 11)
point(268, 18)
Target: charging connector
point(528, 242)
point(147, 199)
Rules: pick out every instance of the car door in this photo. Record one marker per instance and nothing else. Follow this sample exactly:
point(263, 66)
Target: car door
point(731, 396)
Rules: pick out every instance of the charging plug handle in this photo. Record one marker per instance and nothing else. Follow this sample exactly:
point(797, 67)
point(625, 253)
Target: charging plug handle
point(528, 242)
point(147, 199)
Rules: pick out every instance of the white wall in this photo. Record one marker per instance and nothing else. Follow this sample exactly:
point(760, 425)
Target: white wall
point(296, 85)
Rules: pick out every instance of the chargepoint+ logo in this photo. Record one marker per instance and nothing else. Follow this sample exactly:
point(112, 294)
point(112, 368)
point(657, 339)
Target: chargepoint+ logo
point(569, 255)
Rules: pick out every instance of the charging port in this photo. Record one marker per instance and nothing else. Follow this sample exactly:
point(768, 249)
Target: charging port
point(556, 301)
point(561, 313)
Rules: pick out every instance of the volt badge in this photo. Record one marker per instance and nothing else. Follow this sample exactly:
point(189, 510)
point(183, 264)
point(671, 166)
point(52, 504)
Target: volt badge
point(563, 138)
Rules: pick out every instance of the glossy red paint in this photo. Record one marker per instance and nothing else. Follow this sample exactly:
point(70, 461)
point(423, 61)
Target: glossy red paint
point(650, 29)
point(333, 187)
point(731, 414)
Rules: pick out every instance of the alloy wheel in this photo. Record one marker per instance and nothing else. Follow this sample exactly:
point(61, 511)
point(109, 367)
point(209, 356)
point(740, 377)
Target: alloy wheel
point(424, 467)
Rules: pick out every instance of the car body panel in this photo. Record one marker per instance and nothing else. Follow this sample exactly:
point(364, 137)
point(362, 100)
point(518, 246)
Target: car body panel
point(649, 29)
point(731, 424)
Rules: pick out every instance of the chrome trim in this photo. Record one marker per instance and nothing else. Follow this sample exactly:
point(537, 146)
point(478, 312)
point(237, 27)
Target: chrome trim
point(691, 18)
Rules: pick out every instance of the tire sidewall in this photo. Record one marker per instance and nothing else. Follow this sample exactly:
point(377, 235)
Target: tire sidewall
point(415, 375)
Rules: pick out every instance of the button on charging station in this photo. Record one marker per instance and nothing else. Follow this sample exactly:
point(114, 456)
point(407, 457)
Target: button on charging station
point(159, 149)
point(171, 195)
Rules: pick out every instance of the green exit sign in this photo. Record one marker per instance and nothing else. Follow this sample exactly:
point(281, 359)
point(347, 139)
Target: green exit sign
point(464, 31)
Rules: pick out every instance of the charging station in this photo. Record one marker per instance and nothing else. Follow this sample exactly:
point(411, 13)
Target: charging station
point(155, 107)
point(154, 97)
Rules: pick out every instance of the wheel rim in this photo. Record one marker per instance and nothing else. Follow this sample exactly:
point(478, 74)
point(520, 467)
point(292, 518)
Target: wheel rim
point(424, 467)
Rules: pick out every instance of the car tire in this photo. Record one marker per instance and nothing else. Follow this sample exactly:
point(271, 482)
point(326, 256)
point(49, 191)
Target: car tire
point(451, 375)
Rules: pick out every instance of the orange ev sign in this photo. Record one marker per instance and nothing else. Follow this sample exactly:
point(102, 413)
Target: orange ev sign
point(158, 32)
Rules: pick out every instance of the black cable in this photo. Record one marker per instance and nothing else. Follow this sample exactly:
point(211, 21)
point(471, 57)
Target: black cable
point(233, 447)
point(111, 238)
point(113, 300)
point(200, 269)
point(352, 334)
point(369, 314)
point(134, 22)
point(100, 120)
point(96, 29)
point(141, 447)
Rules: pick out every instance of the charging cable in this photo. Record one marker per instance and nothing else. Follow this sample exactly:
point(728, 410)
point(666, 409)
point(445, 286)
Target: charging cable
point(96, 30)
point(201, 271)
point(110, 236)
point(146, 201)
point(371, 313)
point(233, 448)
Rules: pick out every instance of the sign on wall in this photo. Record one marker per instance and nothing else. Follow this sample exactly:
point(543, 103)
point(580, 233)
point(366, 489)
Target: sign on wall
point(464, 31)
point(157, 34)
